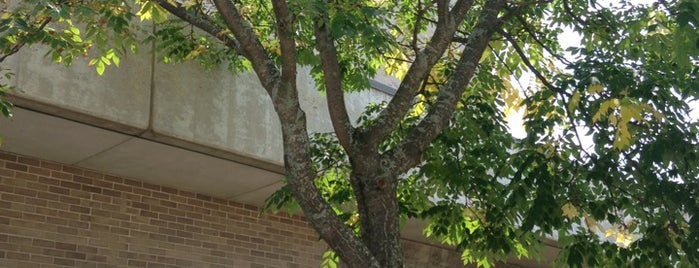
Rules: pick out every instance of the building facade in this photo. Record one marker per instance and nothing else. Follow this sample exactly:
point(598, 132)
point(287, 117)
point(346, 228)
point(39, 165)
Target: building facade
point(156, 165)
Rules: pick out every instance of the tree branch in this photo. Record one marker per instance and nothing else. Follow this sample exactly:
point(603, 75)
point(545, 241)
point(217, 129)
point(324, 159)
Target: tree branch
point(333, 83)
point(204, 23)
point(297, 159)
point(526, 61)
point(408, 153)
point(531, 32)
point(399, 105)
point(20, 44)
point(251, 47)
point(577, 20)
point(285, 22)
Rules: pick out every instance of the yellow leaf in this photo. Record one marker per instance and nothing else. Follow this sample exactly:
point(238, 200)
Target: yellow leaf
point(609, 232)
point(574, 100)
point(419, 108)
point(591, 222)
point(629, 112)
point(623, 137)
point(595, 88)
point(613, 119)
point(145, 13)
point(570, 211)
point(604, 109)
point(624, 239)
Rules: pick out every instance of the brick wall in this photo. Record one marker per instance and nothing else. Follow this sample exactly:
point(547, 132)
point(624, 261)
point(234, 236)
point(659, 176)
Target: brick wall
point(54, 215)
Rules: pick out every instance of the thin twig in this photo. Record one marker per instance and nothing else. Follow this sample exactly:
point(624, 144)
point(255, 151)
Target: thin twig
point(19, 45)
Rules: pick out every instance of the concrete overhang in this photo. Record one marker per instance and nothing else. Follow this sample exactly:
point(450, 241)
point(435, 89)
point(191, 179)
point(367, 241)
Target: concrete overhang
point(145, 156)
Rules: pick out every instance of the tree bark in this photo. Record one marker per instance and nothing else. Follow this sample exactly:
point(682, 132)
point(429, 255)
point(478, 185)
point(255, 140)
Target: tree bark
point(377, 204)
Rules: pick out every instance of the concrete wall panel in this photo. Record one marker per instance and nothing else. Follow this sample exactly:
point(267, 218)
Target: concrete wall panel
point(120, 95)
point(216, 108)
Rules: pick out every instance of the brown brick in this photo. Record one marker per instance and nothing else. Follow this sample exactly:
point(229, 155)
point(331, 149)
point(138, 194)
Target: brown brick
point(29, 161)
point(123, 188)
point(48, 180)
point(148, 214)
point(87, 249)
point(80, 194)
point(141, 191)
point(212, 206)
point(70, 200)
point(59, 190)
point(120, 231)
point(151, 186)
point(8, 157)
point(40, 259)
point(93, 174)
point(169, 190)
point(137, 263)
point(68, 215)
point(111, 193)
point(17, 256)
point(159, 237)
point(48, 196)
point(78, 224)
point(92, 189)
point(51, 165)
point(37, 186)
point(204, 197)
point(56, 221)
point(103, 184)
point(43, 243)
point(73, 170)
point(33, 217)
point(81, 179)
point(61, 175)
point(12, 198)
point(188, 194)
point(174, 239)
point(160, 195)
point(15, 166)
point(7, 173)
point(140, 205)
point(184, 220)
point(67, 230)
point(102, 199)
point(80, 209)
point(167, 217)
point(39, 171)
point(26, 176)
point(133, 183)
point(113, 179)
point(66, 246)
point(70, 185)
point(75, 255)
point(65, 262)
point(53, 252)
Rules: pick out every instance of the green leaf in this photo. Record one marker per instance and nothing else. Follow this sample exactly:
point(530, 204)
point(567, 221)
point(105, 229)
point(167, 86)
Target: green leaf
point(99, 67)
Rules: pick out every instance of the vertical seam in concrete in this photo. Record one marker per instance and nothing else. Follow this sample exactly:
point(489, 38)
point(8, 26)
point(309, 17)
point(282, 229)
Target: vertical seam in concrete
point(151, 102)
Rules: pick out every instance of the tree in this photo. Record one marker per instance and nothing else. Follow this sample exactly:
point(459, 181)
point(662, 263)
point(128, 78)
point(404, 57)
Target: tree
point(440, 149)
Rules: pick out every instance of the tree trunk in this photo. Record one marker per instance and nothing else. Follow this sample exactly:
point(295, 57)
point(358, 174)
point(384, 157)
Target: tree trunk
point(377, 204)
